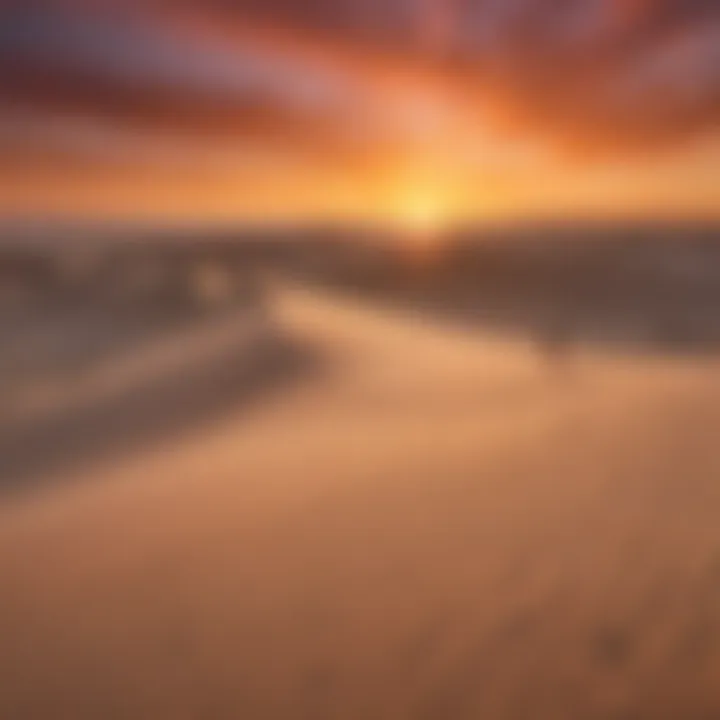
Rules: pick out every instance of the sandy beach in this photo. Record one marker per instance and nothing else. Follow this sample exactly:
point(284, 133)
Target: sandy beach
point(466, 535)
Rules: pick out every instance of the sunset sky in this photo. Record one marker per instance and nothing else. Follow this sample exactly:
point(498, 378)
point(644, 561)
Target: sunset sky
point(280, 110)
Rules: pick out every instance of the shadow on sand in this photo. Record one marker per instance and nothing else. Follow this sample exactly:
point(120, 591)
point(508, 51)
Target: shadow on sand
point(654, 293)
point(178, 373)
point(647, 292)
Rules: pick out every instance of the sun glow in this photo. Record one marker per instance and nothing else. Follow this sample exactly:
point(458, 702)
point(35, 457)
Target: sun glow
point(422, 211)
point(422, 215)
point(420, 218)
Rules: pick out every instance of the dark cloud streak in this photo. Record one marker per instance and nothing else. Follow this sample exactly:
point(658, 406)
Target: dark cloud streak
point(619, 73)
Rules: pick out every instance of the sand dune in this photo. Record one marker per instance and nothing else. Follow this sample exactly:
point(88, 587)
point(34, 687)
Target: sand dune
point(436, 524)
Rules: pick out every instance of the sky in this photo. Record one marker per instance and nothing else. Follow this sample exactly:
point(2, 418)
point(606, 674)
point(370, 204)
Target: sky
point(405, 110)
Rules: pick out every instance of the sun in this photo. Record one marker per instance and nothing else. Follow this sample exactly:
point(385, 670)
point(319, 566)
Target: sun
point(421, 213)
point(420, 220)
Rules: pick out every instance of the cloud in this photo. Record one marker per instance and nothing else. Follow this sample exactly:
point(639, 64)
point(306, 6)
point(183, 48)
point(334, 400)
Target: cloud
point(610, 74)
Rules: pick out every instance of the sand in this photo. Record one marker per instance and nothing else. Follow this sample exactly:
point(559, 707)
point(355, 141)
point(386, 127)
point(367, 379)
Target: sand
point(433, 522)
